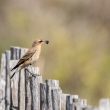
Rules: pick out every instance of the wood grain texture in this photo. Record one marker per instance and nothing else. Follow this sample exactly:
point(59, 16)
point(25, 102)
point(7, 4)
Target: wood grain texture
point(15, 55)
point(50, 85)
point(35, 92)
point(63, 101)
point(28, 96)
point(22, 85)
point(43, 96)
point(56, 99)
point(7, 87)
point(2, 82)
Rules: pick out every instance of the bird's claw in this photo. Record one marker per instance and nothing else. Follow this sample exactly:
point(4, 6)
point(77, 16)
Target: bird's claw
point(34, 75)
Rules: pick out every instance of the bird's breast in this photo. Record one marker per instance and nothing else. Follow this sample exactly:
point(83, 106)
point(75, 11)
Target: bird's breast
point(35, 57)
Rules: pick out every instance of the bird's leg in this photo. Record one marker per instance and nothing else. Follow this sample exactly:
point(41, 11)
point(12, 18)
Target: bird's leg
point(34, 75)
point(34, 70)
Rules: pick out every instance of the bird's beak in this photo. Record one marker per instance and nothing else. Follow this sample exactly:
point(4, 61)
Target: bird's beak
point(46, 41)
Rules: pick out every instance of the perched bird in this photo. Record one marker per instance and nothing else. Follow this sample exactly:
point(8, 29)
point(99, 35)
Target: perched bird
point(31, 56)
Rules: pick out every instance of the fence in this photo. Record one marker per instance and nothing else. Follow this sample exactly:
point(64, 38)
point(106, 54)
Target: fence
point(24, 92)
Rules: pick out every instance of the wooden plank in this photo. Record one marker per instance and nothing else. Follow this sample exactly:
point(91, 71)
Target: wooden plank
point(15, 55)
point(2, 82)
point(28, 96)
point(76, 102)
point(22, 85)
point(35, 92)
point(43, 96)
point(17, 80)
point(48, 98)
point(7, 87)
point(75, 98)
point(14, 86)
point(21, 90)
point(104, 104)
point(50, 84)
point(2, 94)
point(83, 104)
point(56, 99)
point(3, 65)
point(63, 101)
point(69, 102)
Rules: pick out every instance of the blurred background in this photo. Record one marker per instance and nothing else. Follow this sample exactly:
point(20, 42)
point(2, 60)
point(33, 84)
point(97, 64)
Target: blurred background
point(79, 32)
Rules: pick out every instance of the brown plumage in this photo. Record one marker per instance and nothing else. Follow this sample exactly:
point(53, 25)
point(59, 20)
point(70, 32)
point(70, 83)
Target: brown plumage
point(31, 56)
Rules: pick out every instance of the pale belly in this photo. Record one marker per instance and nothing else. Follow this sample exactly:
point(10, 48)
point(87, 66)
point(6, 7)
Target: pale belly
point(35, 57)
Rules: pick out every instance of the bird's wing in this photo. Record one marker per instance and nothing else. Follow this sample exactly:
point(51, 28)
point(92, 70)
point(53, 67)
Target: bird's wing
point(27, 56)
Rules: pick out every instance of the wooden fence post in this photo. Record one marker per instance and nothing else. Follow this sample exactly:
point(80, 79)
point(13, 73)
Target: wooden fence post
point(35, 92)
point(83, 104)
point(7, 87)
point(32, 90)
point(22, 84)
point(50, 85)
point(15, 55)
point(43, 96)
point(56, 99)
point(69, 102)
point(3, 82)
point(76, 102)
point(28, 96)
point(63, 101)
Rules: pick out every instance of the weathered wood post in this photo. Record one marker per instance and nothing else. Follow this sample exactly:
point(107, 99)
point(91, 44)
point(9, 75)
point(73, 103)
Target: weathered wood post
point(43, 96)
point(48, 96)
point(2, 82)
point(35, 92)
point(71, 102)
point(83, 104)
point(22, 78)
point(27, 92)
point(15, 55)
point(56, 99)
point(53, 102)
point(7, 87)
point(63, 101)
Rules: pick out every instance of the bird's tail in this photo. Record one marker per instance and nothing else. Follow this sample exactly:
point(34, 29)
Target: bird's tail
point(12, 75)
point(14, 68)
point(17, 70)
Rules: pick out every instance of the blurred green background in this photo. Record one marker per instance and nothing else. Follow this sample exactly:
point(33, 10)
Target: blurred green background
point(79, 32)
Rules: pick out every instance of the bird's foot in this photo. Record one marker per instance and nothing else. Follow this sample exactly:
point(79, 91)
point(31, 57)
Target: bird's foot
point(32, 75)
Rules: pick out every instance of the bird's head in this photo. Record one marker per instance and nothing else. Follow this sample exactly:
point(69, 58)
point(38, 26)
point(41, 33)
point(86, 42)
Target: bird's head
point(39, 42)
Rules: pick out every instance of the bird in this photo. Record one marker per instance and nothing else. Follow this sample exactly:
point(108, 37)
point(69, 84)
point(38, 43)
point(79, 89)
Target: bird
point(31, 56)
